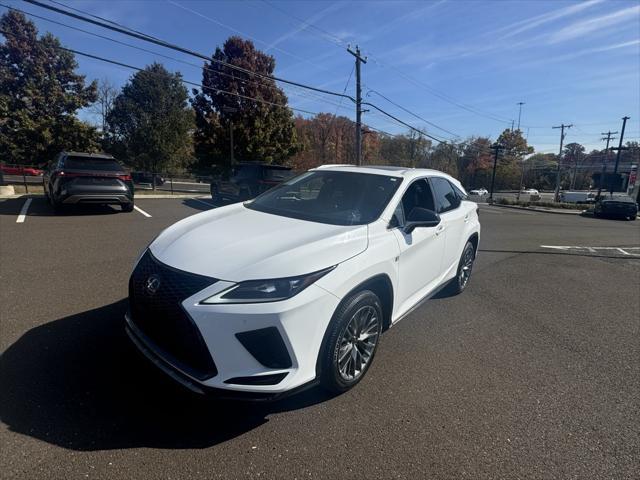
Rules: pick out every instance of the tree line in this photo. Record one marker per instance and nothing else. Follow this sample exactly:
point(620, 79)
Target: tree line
point(154, 123)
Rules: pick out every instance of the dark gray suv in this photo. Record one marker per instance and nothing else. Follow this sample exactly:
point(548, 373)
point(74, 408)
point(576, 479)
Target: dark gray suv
point(244, 181)
point(80, 178)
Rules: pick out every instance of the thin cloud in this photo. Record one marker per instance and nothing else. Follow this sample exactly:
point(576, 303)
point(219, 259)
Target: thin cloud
point(584, 27)
point(580, 53)
point(409, 16)
point(306, 24)
point(534, 22)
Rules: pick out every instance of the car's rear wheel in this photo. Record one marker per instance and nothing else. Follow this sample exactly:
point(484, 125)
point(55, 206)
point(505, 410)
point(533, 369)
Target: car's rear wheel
point(465, 266)
point(352, 339)
point(127, 207)
point(57, 206)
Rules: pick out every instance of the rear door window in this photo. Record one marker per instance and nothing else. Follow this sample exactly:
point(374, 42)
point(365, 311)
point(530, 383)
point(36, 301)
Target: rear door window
point(88, 163)
point(276, 174)
point(446, 197)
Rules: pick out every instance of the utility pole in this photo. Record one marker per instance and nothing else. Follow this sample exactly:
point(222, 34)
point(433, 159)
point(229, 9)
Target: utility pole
point(359, 60)
point(519, 113)
point(231, 140)
point(556, 196)
point(228, 109)
point(619, 151)
point(521, 179)
point(608, 138)
point(496, 147)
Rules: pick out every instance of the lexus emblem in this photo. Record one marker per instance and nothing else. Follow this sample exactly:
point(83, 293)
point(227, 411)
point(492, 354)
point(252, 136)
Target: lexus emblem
point(152, 284)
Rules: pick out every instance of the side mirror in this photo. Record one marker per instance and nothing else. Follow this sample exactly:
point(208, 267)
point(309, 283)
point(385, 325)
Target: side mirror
point(421, 217)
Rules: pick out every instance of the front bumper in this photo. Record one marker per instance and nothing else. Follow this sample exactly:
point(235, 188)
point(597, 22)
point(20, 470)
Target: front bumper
point(299, 323)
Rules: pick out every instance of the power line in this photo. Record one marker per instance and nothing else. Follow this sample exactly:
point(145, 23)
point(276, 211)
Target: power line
point(411, 127)
point(440, 95)
point(411, 113)
point(98, 18)
point(324, 34)
point(336, 40)
point(239, 32)
point(114, 26)
point(104, 37)
point(141, 36)
point(188, 82)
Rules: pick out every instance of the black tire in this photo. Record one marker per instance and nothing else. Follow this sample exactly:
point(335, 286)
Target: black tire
point(362, 303)
point(127, 207)
point(57, 206)
point(460, 281)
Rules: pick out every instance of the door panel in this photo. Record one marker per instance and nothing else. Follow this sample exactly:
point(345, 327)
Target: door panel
point(421, 251)
point(454, 217)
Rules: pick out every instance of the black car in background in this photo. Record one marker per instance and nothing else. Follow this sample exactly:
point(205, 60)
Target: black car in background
point(247, 180)
point(618, 206)
point(147, 178)
point(80, 178)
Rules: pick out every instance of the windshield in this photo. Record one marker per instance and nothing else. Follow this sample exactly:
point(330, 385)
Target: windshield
point(338, 198)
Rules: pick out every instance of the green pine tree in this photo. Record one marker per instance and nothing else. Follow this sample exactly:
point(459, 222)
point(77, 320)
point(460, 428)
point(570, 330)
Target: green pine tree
point(39, 95)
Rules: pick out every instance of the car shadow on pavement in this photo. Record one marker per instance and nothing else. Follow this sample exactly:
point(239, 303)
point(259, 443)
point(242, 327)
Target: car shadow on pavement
point(590, 214)
point(78, 383)
point(199, 204)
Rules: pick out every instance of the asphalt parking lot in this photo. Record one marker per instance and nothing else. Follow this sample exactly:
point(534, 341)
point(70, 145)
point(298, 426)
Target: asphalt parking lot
point(533, 372)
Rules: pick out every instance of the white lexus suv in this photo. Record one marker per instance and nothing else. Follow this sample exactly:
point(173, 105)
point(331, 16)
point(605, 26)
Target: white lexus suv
point(295, 287)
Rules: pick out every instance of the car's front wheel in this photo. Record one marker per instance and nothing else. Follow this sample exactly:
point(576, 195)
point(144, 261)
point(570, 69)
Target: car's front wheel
point(351, 343)
point(127, 207)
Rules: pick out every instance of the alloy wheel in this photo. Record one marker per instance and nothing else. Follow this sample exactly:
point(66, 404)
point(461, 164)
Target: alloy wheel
point(465, 269)
point(357, 343)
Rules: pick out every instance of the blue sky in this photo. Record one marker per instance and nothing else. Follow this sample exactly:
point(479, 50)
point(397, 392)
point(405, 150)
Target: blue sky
point(462, 65)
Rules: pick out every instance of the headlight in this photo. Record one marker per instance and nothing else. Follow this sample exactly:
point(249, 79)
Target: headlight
point(259, 291)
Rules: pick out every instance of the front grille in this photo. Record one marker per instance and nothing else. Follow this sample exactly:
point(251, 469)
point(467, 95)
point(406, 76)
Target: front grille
point(156, 293)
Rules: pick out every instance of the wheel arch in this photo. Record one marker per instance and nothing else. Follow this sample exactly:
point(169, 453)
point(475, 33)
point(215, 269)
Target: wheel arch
point(474, 239)
point(379, 284)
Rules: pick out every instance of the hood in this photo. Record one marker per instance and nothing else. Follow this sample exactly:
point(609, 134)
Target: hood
point(235, 243)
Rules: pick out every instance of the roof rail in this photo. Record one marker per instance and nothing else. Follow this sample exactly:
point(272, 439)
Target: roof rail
point(331, 165)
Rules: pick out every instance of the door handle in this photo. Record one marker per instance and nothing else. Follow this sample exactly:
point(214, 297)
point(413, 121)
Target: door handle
point(440, 229)
point(466, 218)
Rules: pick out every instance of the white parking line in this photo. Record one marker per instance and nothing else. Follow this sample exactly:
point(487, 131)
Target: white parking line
point(142, 211)
point(631, 251)
point(23, 211)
